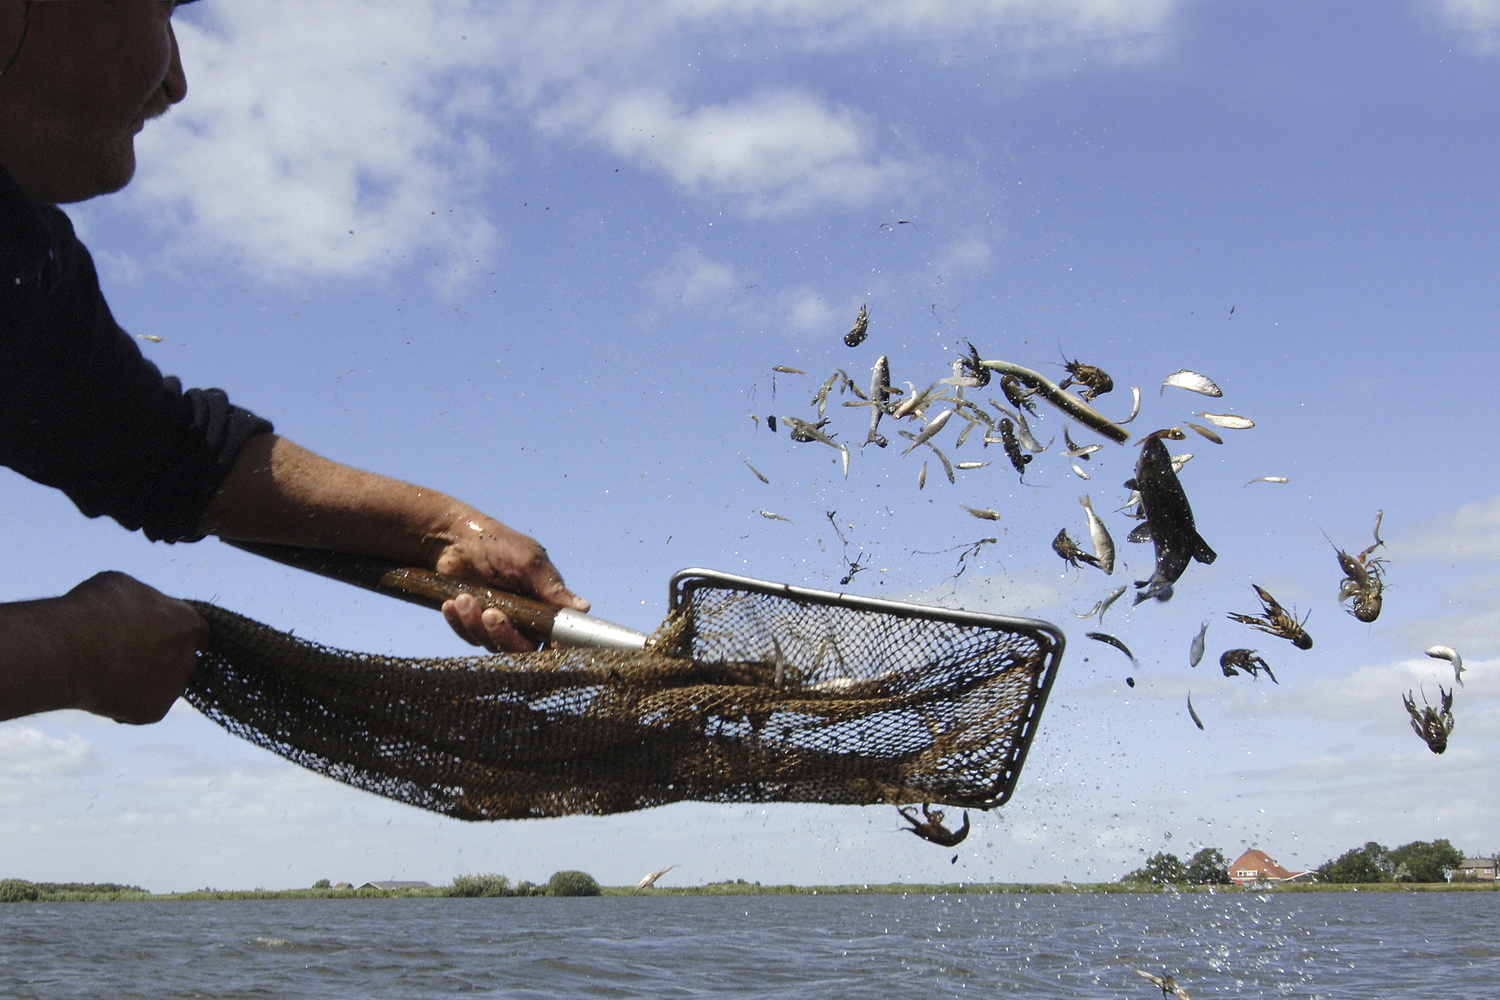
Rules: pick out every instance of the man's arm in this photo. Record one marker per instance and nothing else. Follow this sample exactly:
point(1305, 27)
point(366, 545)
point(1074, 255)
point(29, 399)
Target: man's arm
point(111, 646)
point(278, 491)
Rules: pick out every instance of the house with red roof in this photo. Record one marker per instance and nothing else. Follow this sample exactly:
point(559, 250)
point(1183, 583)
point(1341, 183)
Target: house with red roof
point(1254, 867)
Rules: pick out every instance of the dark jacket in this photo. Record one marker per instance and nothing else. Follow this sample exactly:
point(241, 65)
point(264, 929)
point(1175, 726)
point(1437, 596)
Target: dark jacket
point(80, 408)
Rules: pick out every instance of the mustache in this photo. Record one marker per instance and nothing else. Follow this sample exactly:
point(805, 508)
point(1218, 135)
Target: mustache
point(158, 105)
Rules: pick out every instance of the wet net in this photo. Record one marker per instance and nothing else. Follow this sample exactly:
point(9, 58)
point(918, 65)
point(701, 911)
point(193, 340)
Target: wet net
point(743, 695)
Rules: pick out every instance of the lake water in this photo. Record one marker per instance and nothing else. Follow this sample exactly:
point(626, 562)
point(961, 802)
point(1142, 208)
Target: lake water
point(1324, 945)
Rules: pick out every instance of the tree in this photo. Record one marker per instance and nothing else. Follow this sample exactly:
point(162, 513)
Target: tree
point(1208, 867)
point(1160, 868)
point(1425, 861)
point(572, 883)
point(1371, 863)
point(479, 885)
point(322, 883)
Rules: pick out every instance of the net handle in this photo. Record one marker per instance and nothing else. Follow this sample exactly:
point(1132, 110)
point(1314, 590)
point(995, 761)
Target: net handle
point(536, 620)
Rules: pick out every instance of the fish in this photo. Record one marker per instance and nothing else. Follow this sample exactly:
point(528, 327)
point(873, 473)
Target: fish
point(861, 328)
point(1135, 407)
point(1193, 382)
point(758, 474)
point(1104, 546)
point(1204, 431)
point(933, 426)
point(1276, 620)
point(880, 393)
point(788, 370)
point(1451, 655)
point(773, 516)
point(1110, 640)
point(1069, 404)
point(1432, 724)
point(922, 477)
point(1194, 715)
point(1166, 983)
point(1229, 421)
point(1114, 595)
point(983, 513)
point(1269, 479)
point(1078, 470)
point(1195, 651)
point(1246, 660)
point(1027, 439)
point(1069, 550)
point(1173, 531)
point(970, 466)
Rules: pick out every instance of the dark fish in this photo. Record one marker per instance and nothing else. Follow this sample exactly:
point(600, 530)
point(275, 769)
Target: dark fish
point(1276, 621)
point(1110, 640)
point(1171, 521)
point(1193, 714)
point(1432, 724)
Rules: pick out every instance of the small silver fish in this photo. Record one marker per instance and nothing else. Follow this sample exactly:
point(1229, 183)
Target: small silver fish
point(1200, 643)
point(933, 426)
point(1193, 382)
point(788, 370)
point(1166, 984)
point(1204, 431)
point(1135, 409)
point(1194, 715)
point(1104, 546)
point(984, 514)
point(1451, 655)
point(1268, 479)
point(1114, 595)
point(1229, 421)
point(880, 393)
point(758, 474)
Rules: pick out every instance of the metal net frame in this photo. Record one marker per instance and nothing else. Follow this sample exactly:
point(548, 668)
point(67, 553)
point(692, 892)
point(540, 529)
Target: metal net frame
point(749, 692)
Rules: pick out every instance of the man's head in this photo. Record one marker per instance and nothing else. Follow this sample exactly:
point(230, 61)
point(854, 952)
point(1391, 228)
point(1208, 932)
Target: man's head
point(85, 77)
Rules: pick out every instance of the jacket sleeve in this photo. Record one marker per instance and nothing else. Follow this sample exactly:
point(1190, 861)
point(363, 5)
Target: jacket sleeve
point(83, 411)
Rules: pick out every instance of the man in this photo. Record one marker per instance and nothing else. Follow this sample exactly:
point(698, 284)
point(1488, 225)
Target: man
point(81, 410)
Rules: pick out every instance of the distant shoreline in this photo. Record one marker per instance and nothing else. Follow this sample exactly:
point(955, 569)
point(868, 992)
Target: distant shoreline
point(751, 889)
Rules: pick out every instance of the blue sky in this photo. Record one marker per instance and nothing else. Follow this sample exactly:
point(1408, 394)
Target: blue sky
point(545, 257)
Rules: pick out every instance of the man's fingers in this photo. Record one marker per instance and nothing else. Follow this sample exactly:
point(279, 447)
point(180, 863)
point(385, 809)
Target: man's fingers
point(486, 627)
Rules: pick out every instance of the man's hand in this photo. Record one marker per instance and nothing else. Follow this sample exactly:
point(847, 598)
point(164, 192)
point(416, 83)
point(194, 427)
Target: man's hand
point(111, 645)
point(485, 551)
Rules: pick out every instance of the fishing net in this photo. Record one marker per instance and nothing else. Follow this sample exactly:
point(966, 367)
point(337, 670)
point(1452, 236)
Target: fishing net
point(742, 695)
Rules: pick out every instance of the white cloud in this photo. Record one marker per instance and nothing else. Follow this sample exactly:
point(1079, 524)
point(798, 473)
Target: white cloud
point(340, 139)
point(26, 750)
point(1479, 19)
point(1471, 532)
point(692, 281)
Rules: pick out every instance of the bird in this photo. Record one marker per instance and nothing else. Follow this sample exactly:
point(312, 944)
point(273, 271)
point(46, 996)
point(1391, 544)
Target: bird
point(650, 880)
point(1165, 983)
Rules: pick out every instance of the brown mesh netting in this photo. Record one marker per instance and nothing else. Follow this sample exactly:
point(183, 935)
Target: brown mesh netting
point(742, 697)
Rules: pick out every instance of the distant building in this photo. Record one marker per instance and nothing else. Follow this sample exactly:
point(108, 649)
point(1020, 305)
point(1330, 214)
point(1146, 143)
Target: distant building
point(1483, 869)
point(1256, 866)
point(391, 886)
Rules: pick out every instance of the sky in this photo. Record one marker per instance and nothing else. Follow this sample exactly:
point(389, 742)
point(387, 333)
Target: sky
point(546, 258)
